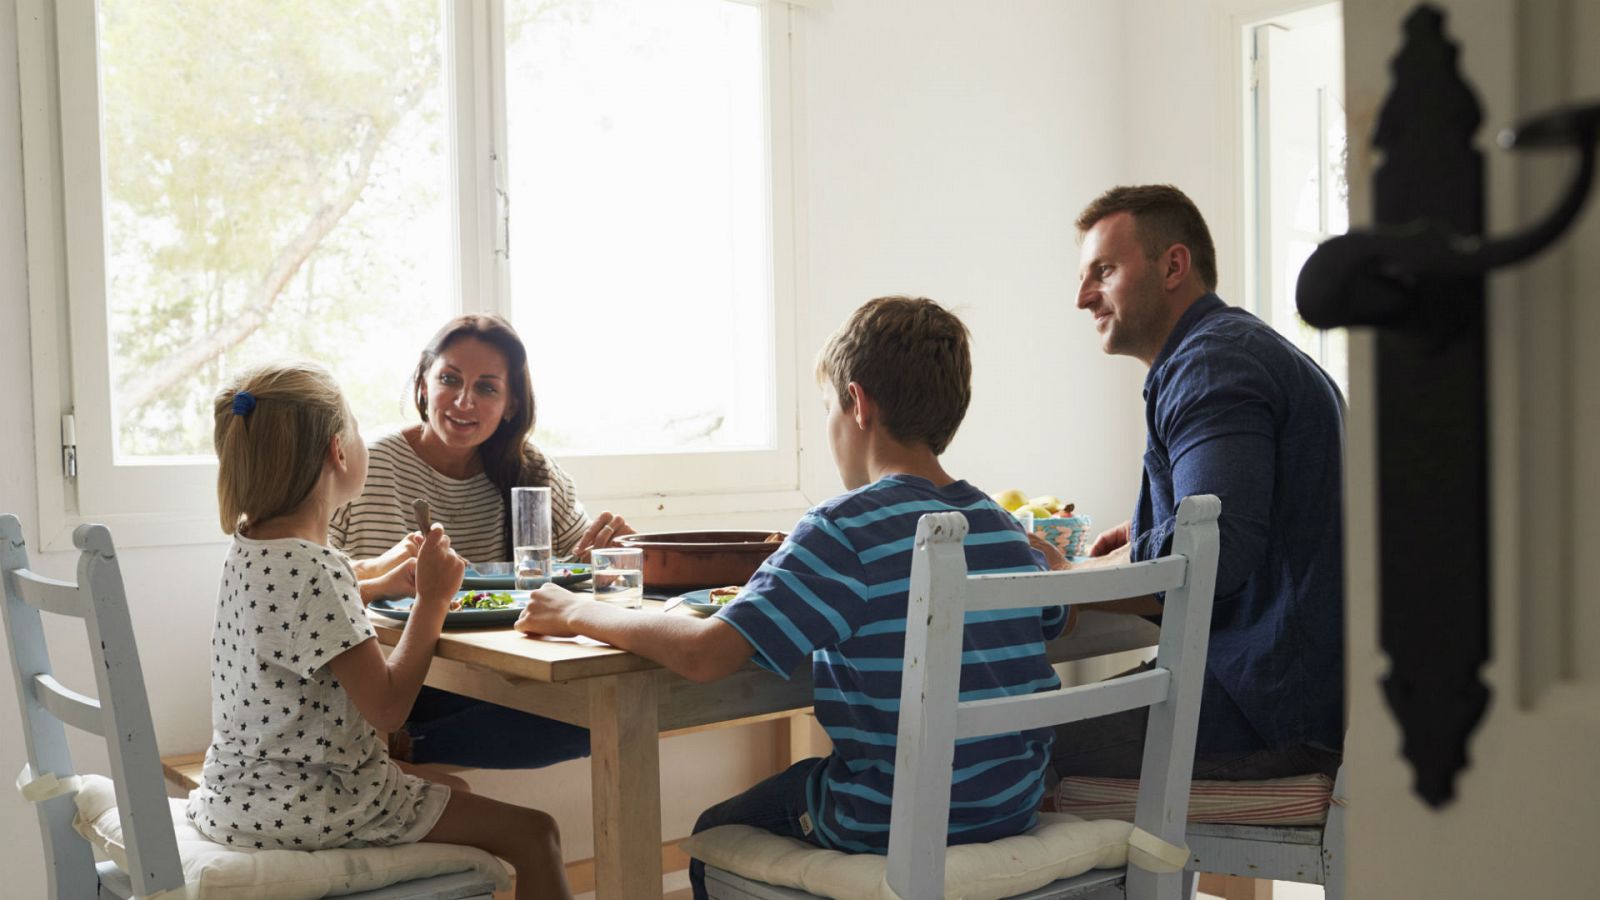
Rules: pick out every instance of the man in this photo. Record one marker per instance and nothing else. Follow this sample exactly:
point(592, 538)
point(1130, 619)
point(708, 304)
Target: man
point(1233, 409)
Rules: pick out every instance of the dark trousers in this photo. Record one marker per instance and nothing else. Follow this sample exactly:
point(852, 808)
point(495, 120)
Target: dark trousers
point(774, 805)
point(452, 729)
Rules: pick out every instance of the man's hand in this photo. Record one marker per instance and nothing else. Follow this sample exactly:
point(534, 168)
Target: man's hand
point(438, 569)
point(546, 612)
point(1112, 539)
point(602, 532)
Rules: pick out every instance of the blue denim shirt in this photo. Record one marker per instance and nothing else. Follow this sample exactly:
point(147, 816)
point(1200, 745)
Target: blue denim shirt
point(1234, 409)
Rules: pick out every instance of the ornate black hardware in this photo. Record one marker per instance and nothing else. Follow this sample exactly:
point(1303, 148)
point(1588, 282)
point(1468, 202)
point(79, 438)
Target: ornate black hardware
point(1418, 278)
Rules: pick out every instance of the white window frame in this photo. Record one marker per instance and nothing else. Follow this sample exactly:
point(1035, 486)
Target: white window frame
point(175, 503)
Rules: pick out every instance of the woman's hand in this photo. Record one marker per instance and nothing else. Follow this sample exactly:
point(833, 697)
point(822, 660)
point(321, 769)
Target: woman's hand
point(602, 532)
point(438, 569)
point(546, 612)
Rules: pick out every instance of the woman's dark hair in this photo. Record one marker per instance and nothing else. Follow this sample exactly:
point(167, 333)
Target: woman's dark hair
point(508, 459)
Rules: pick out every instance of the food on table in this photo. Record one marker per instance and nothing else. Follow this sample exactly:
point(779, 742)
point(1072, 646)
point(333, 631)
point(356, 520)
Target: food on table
point(722, 596)
point(481, 600)
point(1011, 500)
point(1044, 506)
point(774, 538)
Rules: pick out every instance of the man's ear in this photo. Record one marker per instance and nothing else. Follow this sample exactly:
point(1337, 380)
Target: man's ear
point(862, 407)
point(1175, 266)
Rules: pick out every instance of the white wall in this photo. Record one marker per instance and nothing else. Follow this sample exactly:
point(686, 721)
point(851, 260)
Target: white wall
point(947, 147)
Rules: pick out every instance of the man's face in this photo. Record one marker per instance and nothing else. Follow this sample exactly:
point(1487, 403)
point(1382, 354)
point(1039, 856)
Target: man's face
point(1122, 289)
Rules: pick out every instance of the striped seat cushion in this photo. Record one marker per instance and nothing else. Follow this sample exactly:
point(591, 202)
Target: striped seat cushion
point(1301, 800)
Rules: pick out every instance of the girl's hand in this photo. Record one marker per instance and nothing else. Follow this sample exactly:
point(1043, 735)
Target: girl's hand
point(602, 532)
point(400, 581)
point(438, 569)
point(378, 566)
point(546, 612)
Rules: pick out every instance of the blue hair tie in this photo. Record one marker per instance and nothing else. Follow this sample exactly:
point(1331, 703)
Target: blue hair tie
point(244, 403)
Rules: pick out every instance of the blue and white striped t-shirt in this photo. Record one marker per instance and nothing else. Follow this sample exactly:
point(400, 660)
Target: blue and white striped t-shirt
point(836, 592)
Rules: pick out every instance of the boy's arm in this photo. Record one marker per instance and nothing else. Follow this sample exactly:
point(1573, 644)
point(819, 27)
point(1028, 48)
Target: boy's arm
point(698, 649)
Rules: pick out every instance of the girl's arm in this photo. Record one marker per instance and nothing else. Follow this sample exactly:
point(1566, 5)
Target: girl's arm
point(384, 689)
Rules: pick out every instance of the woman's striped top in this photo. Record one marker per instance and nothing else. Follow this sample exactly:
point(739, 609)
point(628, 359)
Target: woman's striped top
point(472, 510)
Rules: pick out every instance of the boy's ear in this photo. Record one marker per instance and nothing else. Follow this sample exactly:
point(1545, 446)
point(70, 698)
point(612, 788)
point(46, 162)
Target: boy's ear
point(863, 409)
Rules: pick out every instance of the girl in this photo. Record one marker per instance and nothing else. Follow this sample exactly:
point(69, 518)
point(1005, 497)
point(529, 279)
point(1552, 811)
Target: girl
point(300, 688)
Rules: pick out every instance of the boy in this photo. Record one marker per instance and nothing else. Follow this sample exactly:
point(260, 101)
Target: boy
point(896, 380)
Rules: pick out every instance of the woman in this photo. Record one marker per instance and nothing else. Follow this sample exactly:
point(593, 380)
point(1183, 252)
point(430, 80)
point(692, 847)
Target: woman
point(474, 394)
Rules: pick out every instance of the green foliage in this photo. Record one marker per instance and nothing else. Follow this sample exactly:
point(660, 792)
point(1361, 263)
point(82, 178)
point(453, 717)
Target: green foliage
point(266, 162)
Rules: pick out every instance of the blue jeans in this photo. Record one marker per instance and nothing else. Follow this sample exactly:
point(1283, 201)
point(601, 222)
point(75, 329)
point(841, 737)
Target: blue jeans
point(456, 730)
point(774, 805)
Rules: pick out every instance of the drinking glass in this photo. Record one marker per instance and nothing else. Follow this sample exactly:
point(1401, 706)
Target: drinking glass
point(530, 535)
point(618, 574)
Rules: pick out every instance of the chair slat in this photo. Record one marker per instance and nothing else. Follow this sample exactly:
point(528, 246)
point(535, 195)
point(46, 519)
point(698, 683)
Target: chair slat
point(68, 705)
point(1034, 589)
point(975, 718)
point(50, 595)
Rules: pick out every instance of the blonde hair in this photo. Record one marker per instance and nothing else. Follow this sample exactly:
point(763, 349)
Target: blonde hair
point(273, 427)
point(911, 355)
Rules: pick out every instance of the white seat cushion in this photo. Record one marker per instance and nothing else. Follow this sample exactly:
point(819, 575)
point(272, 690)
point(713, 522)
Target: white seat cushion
point(1060, 846)
point(216, 872)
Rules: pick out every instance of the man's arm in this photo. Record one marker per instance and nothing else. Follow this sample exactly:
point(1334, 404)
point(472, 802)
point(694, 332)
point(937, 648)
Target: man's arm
point(698, 649)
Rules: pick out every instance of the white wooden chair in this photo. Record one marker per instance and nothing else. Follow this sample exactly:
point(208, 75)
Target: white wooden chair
point(121, 715)
point(932, 719)
point(1302, 854)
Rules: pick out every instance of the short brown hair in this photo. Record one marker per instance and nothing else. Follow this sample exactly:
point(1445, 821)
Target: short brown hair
point(1162, 216)
point(273, 427)
point(913, 357)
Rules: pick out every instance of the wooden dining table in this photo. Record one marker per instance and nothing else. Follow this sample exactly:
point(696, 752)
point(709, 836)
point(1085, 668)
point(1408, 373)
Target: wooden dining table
point(627, 702)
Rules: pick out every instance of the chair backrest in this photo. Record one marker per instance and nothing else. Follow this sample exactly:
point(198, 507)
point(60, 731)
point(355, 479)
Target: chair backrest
point(932, 718)
point(121, 714)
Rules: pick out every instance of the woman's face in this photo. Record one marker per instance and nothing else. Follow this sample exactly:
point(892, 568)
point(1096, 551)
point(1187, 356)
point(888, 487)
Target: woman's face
point(469, 393)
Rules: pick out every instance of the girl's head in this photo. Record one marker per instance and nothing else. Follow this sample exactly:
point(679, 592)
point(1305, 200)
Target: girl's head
point(278, 428)
point(472, 388)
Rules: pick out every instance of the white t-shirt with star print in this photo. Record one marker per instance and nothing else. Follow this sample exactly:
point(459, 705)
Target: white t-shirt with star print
point(292, 763)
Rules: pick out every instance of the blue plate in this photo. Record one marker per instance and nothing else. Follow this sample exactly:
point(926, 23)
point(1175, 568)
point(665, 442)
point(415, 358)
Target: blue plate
point(461, 618)
point(567, 574)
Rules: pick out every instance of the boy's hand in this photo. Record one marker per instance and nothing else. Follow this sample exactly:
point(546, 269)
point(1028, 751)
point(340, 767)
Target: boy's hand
point(1111, 539)
point(1052, 553)
point(439, 569)
point(546, 612)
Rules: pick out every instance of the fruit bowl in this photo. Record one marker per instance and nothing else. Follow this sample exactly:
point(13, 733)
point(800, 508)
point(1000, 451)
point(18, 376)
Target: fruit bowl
point(1069, 534)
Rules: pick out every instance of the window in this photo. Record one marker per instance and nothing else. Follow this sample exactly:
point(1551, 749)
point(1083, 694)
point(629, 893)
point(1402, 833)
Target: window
point(261, 180)
point(1299, 193)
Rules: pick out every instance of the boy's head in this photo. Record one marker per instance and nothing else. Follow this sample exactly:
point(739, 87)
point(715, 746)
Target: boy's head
point(911, 357)
point(275, 427)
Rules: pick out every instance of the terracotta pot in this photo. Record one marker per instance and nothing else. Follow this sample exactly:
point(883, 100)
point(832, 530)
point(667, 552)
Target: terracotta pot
point(688, 560)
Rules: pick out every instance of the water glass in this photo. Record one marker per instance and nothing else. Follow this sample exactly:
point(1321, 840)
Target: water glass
point(618, 576)
point(1025, 519)
point(530, 535)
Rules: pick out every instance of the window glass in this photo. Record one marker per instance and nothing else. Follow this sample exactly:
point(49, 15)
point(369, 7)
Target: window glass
point(640, 248)
point(275, 186)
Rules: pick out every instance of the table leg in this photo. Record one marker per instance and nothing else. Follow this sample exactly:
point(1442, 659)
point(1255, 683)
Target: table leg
point(625, 768)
